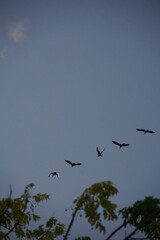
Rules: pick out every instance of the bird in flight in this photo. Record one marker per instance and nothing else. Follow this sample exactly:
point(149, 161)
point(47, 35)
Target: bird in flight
point(73, 164)
point(144, 130)
point(100, 152)
point(121, 144)
point(53, 174)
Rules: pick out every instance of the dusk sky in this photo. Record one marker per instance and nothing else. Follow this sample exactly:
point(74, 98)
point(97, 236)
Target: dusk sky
point(76, 75)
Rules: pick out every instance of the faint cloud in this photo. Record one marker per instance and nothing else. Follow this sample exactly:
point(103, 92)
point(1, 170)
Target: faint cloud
point(16, 31)
point(3, 53)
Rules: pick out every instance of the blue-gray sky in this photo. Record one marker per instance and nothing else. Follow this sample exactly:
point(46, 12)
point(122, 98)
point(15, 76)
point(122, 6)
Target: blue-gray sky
point(75, 75)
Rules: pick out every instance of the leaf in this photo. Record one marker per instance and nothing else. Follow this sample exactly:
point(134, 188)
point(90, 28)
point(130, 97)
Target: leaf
point(19, 232)
point(95, 203)
point(59, 230)
point(35, 217)
point(52, 221)
point(143, 214)
point(83, 238)
point(40, 197)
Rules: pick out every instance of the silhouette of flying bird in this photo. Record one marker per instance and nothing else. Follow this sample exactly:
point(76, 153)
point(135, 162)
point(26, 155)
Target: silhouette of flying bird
point(144, 130)
point(121, 144)
point(53, 174)
point(100, 152)
point(73, 164)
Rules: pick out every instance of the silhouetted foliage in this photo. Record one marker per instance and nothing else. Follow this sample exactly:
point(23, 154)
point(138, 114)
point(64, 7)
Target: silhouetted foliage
point(95, 204)
point(83, 238)
point(18, 215)
point(144, 216)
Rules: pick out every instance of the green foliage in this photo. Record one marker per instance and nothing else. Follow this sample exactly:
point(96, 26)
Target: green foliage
point(95, 204)
point(17, 214)
point(144, 215)
point(154, 230)
point(83, 238)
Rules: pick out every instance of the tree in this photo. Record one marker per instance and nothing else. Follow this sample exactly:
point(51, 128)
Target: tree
point(144, 216)
point(17, 215)
point(95, 204)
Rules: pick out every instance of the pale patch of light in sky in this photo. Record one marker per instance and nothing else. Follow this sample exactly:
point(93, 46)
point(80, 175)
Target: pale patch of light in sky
point(16, 31)
point(3, 52)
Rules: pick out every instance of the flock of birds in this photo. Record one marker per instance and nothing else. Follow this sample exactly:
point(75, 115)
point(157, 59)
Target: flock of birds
point(100, 152)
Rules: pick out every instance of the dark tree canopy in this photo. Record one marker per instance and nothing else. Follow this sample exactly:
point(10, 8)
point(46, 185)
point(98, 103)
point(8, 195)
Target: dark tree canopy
point(145, 216)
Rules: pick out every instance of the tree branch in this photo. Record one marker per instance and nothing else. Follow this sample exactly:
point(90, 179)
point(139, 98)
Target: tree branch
point(121, 226)
point(71, 223)
point(116, 230)
point(141, 224)
point(11, 230)
point(18, 222)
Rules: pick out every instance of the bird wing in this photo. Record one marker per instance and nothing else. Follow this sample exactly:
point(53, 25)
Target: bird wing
point(140, 129)
point(98, 150)
point(49, 174)
point(125, 144)
point(76, 164)
point(150, 131)
point(56, 174)
point(102, 151)
point(68, 162)
point(117, 143)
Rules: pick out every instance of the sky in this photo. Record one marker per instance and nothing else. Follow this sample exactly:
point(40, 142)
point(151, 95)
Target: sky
point(76, 75)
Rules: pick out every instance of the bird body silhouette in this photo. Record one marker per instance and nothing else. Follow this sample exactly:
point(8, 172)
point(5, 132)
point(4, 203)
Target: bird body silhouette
point(72, 164)
point(144, 130)
point(53, 174)
point(121, 144)
point(100, 152)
